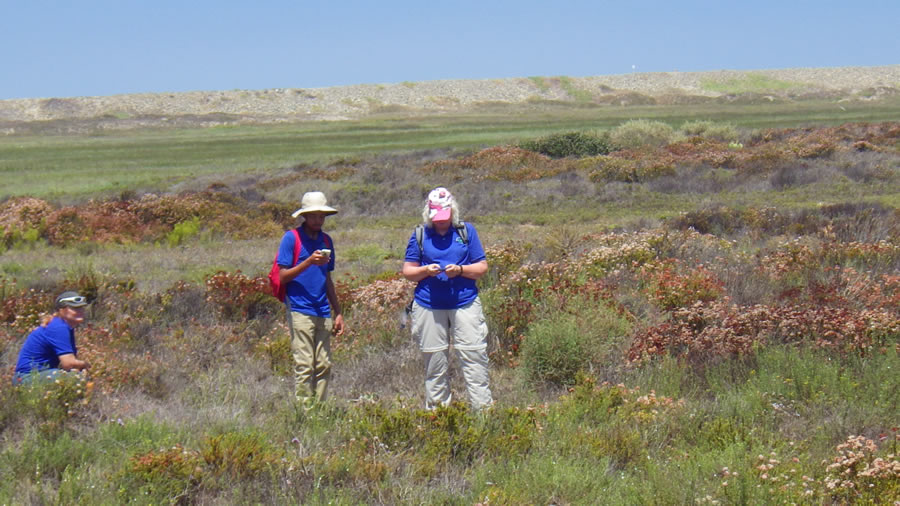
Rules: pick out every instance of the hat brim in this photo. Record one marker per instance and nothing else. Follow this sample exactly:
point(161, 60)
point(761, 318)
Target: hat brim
point(315, 209)
point(440, 214)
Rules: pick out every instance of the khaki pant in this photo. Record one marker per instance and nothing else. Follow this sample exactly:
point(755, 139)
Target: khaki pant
point(311, 348)
point(466, 330)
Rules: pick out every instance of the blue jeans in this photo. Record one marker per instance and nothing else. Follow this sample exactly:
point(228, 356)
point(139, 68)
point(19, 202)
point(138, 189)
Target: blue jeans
point(26, 378)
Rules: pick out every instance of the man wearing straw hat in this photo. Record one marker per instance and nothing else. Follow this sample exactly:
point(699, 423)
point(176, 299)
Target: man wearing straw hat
point(314, 312)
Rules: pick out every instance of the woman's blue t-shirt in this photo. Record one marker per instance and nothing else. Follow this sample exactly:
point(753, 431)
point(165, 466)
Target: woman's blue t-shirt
point(442, 292)
point(307, 294)
point(44, 345)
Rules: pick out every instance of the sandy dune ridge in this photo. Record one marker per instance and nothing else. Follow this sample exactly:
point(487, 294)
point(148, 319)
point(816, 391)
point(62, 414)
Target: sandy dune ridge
point(209, 108)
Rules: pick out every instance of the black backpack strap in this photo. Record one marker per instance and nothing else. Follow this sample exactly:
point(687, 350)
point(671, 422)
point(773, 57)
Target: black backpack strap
point(463, 232)
point(420, 236)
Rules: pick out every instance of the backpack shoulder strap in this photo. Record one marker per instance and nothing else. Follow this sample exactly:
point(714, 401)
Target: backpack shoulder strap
point(420, 236)
point(297, 244)
point(460, 229)
point(463, 232)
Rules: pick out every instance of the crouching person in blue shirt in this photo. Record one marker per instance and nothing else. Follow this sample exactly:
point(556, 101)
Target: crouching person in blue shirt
point(50, 349)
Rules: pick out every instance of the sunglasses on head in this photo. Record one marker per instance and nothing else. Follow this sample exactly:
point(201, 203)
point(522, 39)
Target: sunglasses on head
point(78, 299)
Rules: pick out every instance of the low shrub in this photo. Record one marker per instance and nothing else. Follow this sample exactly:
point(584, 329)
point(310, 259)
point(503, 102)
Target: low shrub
point(22, 219)
point(570, 144)
point(449, 435)
point(718, 220)
point(67, 226)
point(353, 464)
point(377, 312)
point(503, 259)
point(670, 285)
point(275, 347)
point(579, 327)
point(116, 363)
point(182, 231)
point(860, 473)
point(500, 163)
point(512, 305)
point(642, 135)
point(163, 475)
point(239, 297)
point(720, 329)
point(620, 251)
point(555, 349)
point(722, 132)
point(239, 455)
point(607, 419)
point(629, 170)
point(50, 403)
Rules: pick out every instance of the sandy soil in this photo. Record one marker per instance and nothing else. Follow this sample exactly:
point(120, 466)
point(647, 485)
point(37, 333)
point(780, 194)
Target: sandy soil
point(350, 102)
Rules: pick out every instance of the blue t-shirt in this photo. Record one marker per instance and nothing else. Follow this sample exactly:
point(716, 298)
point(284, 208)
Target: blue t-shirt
point(44, 345)
point(306, 293)
point(441, 292)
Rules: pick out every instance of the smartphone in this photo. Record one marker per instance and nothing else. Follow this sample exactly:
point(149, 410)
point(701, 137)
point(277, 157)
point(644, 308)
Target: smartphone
point(326, 252)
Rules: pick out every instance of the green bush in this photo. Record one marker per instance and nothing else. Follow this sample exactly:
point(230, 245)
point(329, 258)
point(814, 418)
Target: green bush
point(184, 230)
point(240, 455)
point(555, 350)
point(567, 144)
point(724, 132)
point(642, 134)
point(580, 330)
point(162, 475)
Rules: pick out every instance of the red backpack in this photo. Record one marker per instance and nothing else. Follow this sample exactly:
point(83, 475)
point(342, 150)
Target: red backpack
point(279, 291)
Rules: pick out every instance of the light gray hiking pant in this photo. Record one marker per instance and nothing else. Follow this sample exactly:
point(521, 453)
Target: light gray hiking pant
point(466, 330)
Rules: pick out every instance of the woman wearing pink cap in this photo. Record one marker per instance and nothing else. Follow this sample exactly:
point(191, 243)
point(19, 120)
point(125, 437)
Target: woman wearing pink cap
point(446, 260)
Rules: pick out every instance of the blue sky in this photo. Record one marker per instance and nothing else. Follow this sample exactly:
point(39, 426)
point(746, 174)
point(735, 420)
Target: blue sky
point(88, 48)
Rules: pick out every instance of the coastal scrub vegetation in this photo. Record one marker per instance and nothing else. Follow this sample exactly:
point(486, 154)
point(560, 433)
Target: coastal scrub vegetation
point(699, 303)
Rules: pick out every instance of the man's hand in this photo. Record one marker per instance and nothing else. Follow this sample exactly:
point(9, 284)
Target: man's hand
point(69, 361)
point(317, 258)
point(433, 269)
point(338, 327)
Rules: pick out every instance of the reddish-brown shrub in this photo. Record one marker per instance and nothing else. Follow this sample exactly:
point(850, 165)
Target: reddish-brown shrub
point(377, 312)
point(704, 330)
point(67, 226)
point(21, 214)
point(237, 296)
point(721, 329)
point(670, 285)
point(22, 309)
point(113, 366)
point(500, 163)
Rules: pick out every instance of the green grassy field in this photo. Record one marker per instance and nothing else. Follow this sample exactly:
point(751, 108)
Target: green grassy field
point(70, 167)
